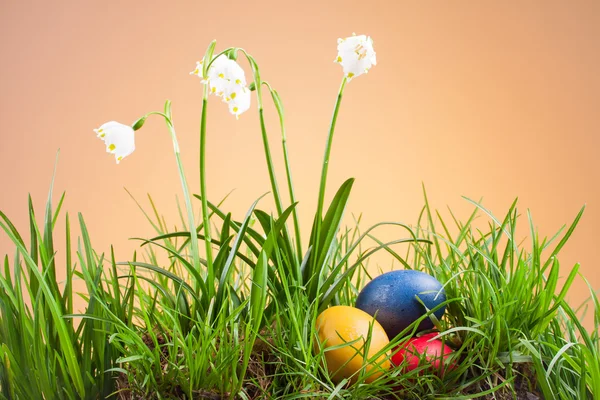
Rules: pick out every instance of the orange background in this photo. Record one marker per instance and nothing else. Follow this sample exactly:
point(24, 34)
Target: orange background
point(487, 98)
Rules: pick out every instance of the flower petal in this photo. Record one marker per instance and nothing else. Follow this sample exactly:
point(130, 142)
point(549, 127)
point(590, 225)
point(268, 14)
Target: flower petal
point(218, 67)
point(104, 128)
point(198, 70)
point(356, 55)
point(235, 73)
point(118, 138)
point(217, 86)
point(241, 102)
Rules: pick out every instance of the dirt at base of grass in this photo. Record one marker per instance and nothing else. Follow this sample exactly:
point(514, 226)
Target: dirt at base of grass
point(524, 386)
point(254, 391)
point(125, 392)
point(260, 371)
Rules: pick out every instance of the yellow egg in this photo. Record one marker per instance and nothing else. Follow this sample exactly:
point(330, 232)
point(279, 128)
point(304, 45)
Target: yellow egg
point(342, 324)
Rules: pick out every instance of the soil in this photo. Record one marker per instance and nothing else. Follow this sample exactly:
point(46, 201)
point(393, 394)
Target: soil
point(261, 368)
point(524, 385)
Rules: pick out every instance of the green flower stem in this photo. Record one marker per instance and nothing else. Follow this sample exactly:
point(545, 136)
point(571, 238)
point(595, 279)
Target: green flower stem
point(204, 199)
point(273, 179)
point(271, 169)
point(186, 193)
point(288, 172)
point(319, 215)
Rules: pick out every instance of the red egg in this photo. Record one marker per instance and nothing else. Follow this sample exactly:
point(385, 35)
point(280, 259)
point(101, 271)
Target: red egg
point(419, 350)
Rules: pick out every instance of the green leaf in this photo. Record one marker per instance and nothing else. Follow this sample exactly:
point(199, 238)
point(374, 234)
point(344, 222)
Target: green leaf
point(277, 101)
point(208, 56)
point(215, 242)
point(252, 234)
point(166, 273)
point(227, 270)
point(565, 238)
point(266, 221)
point(329, 228)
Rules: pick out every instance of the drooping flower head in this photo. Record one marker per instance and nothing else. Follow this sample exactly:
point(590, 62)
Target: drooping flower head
point(226, 79)
point(356, 55)
point(237, 97)
point(119, 139)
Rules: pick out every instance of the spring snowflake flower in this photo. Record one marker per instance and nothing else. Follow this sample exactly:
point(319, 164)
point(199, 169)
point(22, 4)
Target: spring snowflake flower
point(226, 79)
point(237, 97)
point(356, 55)
point(119, 139)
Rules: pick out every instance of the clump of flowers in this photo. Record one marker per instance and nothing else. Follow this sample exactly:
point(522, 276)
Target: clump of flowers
point(226, 79)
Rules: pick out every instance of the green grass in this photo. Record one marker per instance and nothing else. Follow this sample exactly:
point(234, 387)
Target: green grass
point(47, 350)
point(237, 319)
point(506, 315)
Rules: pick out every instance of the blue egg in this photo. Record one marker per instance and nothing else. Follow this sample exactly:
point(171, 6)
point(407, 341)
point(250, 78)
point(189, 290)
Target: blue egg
point(391, 299)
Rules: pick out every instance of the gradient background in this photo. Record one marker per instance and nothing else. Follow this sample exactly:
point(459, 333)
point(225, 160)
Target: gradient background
point(482, 99)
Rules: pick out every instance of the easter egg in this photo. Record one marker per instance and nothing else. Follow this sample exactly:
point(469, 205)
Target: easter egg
point(342, 324)
point(391, 298)
point(419, 350)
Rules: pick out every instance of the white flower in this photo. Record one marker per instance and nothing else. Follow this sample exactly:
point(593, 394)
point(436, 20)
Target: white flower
point(232, 92)
point(226, 79)
point(225, 68)
point(198, 70)
point(356, 55)
point(238, 98)
point(119, 139)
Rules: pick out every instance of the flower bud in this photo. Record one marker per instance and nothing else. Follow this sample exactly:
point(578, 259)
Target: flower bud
point(232, 54)
point(139, 123)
